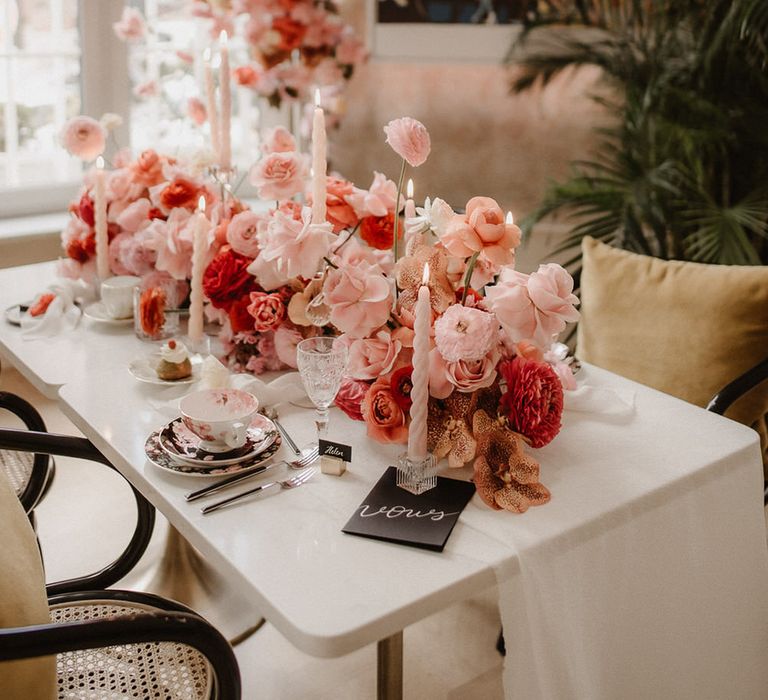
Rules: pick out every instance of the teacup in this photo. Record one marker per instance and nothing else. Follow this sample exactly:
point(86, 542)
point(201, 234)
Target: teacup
point(219, 417)
point(117, 295)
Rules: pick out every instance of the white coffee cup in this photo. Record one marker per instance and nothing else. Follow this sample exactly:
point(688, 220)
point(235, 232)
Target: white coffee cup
point(219, 417)
point(117, 295)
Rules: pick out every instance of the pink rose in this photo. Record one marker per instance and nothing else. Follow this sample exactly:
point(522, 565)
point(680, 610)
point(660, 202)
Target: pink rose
point(137, 254)
point(465, 375)
point(385, 420)
point(351, 396)
point(370, 358)
point(278, 175)
point(242, 233)
point(268, 311)
point(131, 25)
point(464, 333)
point(116, 246)
point(287, 337)
point(378, 200)
point(84, 137)
point(360, 299)
point(278, 140)
point(408, 138)
point(482, 229)
point(135, 215)
point(174, 244)
point(551, 290)
point(196, 111)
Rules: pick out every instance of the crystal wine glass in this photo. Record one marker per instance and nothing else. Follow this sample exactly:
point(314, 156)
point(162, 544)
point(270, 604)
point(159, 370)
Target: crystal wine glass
point(322, 362)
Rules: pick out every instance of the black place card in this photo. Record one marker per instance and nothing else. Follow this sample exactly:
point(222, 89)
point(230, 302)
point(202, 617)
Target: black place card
point(392, 514)
point(335, 449)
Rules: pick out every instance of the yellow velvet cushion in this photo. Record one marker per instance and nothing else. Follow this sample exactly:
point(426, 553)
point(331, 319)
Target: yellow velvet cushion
point(683, 328)
point(22, 599)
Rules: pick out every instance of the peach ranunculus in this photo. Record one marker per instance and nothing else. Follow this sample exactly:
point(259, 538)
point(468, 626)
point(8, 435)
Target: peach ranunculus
point(278, 140)
point(482, 230)
point(242, 232)
point(534, 307)
point(147, 169)
point(409, 138)
point(385, 420)
point(84, 137)
point(131, 26)
point(196, 111)
point(360, 298)
point(293, 247)
point(378, 200)
point(278, 175)
point(465, 375)
point(370, 358)
point(246, 76)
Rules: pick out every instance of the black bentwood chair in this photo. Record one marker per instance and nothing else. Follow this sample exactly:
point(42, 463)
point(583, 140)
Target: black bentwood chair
point(108, 643)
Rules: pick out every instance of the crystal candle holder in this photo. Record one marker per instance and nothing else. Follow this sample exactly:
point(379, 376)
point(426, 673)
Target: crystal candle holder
point(416, 475)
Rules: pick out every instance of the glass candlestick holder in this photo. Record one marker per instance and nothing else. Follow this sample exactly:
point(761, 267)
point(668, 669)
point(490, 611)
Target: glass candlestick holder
point(416, 475)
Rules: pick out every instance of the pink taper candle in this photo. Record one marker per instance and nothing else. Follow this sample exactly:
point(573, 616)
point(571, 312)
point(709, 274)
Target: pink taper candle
point(100, 221)
point(213, 110)
point(417, 431)
point(199, 253)
point(226, 105)
point(319, 163)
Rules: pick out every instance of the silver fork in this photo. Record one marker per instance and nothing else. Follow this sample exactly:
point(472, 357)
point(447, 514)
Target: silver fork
point(291, 483)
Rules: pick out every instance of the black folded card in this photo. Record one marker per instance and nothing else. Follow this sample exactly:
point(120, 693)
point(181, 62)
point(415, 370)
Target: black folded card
point(392, 514)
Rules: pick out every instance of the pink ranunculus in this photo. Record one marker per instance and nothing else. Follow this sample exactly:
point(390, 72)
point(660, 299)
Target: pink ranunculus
point(287, 337)
point(84, 137)
point(131, 26)
point(351, 396)
point(464, 333)
point(385, 420)
point(268, 311)
point(135, 215)
point(370, 358)
point(295, 247)
point(242, 233)
point(196, 111)
point(378, 200)
point(360, 298)
point(278, 140)
point(465, 375)
point(408, 138)
point(482, 229)
point(279, 175)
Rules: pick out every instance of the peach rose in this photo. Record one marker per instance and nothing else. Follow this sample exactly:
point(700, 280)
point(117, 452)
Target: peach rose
point(131, 25)
point(408, 138)
point(278, 140)
point(384, 419)
point(482, 229)
point(338, 211)
point(370, 358)
point(465, 375)
point(360, 299)
point(147, 170)
point(196, 111)
point(278, 175)
point(84, 137)
point(242, 233)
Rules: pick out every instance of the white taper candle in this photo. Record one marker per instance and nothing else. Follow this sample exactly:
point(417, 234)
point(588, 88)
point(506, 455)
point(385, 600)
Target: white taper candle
point(213, 110)
point(100, 221)
point(226, 104)
point(319, 163)
point(199, 253)
point(417, 431)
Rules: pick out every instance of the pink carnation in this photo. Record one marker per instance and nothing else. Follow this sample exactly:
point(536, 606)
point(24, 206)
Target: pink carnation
point(408, 138)
point(131, 25)
point(278, 175)
point(84, 137)
point(465, 333)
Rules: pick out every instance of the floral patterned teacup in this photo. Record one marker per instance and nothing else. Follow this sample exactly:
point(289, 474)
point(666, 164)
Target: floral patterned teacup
point(219, 417)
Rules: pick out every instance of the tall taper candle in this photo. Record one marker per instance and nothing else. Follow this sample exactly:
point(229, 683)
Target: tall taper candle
point(100, 221)
point(226, 104)
point(213, 110)
point(417, 431)
point(199, 252)
point(319, 164)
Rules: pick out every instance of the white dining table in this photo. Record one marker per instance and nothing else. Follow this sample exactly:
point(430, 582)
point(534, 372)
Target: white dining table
point(611, 477)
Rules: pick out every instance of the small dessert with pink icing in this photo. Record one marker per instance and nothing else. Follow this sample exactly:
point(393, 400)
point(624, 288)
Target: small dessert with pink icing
point(174, 361)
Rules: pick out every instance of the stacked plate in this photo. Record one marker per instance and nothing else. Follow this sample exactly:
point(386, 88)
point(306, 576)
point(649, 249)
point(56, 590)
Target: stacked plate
point(175, 448)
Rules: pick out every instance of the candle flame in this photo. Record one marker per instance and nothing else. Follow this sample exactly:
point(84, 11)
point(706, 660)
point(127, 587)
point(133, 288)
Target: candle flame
point(223, 37)
point(409, 189)
point(207, 55)
point(317, 97)
point(100, 163)
point(425, 276)
point(201, 204)
point(509, 219)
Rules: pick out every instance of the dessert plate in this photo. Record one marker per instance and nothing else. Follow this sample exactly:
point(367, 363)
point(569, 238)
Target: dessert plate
point(145, 370)
point(180, 443)
point(97, 312)
point(161, 459)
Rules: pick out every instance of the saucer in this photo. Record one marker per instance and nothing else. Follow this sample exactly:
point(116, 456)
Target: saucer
point(14, 314)
point(180, 443)
point(164, 461)
point(97, 312)
point(145, 370)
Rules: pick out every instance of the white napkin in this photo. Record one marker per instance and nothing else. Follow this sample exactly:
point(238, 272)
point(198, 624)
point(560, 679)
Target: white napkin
point(600, 400)
point(62, 314)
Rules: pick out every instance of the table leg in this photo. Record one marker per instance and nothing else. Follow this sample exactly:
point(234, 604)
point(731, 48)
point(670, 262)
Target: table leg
point(389, 675)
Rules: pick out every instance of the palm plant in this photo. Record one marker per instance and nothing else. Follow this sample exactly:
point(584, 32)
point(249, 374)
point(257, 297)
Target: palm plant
point(683, 172)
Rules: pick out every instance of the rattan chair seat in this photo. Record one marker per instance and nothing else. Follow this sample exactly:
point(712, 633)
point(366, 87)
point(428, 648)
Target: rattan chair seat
point(17, 467)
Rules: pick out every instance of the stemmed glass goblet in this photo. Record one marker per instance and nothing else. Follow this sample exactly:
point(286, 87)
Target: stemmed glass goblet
point(322, 362)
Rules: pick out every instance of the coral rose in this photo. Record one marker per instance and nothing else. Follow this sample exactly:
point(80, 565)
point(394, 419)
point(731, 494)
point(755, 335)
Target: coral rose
point(147, 170)
point(85, 209)
point(385, 420)
point(246, 76)
point(226, 279)
point(180, 192)
point(379, 231)
point(482, 229)
point(278, 175)
point(350, 397)
point(152, 311)
point(360, 299)
point(339, 213)
point(242, 233)
point(533, 400)
point(370, 358)
point(84, 137)
point(291, 32)
point(408, 138)
point(268, 311)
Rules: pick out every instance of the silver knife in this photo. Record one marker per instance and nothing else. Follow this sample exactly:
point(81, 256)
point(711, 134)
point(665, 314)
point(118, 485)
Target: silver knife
point(230, 480)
